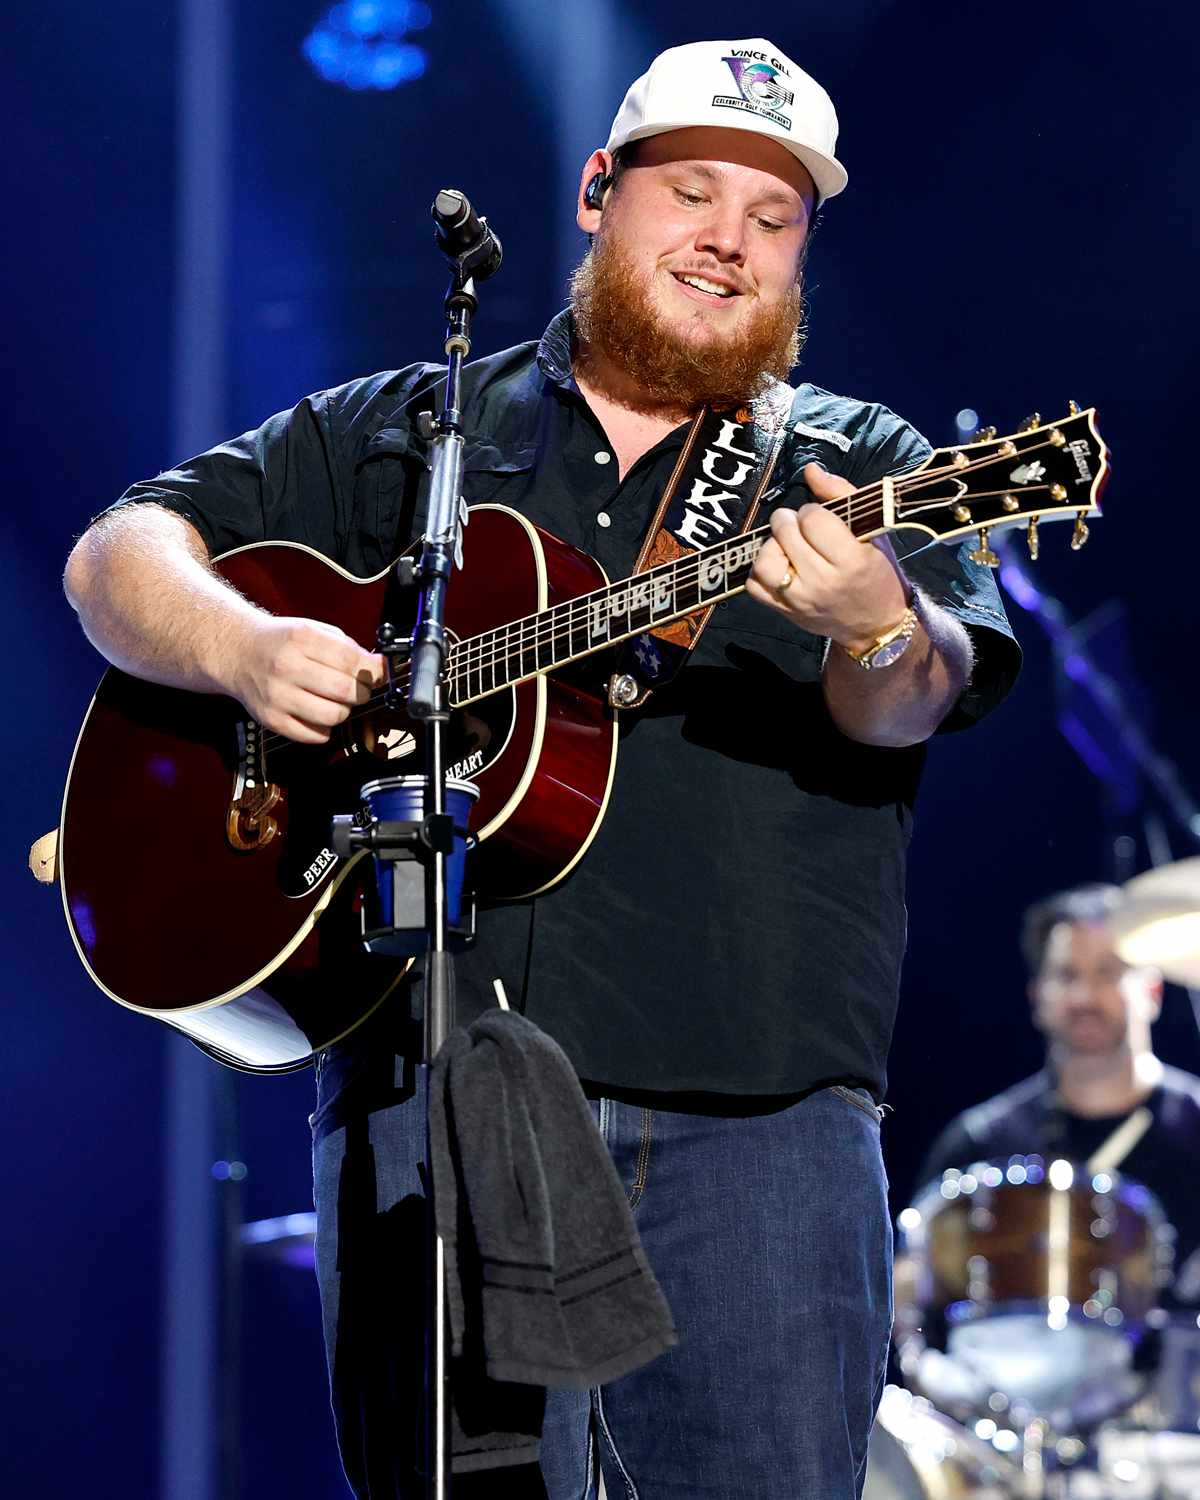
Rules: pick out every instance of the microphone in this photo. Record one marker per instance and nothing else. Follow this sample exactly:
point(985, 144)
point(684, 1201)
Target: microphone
point(463, 237)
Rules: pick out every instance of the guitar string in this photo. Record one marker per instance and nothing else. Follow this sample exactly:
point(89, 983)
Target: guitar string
point(489, 648)
point(562, 618)
point(486, 649)
point(459, 674)
point(559, 622)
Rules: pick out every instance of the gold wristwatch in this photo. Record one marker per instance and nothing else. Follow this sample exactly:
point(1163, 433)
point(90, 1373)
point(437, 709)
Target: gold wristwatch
point(888, 647)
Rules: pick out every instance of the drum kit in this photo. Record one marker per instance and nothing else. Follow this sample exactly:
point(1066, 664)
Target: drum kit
point(1036, 1359)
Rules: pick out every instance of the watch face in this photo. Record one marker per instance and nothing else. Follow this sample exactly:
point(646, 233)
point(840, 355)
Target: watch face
point(886, 655)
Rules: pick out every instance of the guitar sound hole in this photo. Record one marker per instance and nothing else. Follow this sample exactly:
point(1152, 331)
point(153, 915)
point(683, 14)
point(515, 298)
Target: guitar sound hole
point(389, 744)
point(476, 738)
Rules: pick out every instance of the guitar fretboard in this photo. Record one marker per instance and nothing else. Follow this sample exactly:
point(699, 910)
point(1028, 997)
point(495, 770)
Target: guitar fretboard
point(576, 628)
point(1036, 473)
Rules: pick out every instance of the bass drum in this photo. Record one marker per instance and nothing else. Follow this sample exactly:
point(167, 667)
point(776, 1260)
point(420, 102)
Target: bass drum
point(918, 1454)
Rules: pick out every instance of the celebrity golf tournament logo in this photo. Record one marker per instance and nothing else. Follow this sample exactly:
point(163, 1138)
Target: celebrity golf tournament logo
point(759, 88)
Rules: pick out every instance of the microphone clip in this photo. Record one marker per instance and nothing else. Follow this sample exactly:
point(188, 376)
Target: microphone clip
point(466, 240)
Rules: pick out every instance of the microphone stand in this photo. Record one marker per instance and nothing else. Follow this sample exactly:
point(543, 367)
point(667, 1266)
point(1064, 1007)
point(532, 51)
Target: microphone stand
point(473, 253)
point(427, 702)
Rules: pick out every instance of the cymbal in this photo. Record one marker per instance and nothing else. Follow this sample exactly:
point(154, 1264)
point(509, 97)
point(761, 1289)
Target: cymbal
point(1159, 921)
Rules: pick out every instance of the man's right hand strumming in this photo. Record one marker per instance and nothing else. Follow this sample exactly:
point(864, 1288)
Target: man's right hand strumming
point(302, 677)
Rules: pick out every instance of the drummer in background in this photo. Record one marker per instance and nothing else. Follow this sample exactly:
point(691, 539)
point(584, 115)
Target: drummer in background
point(1103, 1097)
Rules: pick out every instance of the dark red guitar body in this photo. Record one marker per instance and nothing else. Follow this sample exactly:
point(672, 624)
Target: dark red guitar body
point(223, 942)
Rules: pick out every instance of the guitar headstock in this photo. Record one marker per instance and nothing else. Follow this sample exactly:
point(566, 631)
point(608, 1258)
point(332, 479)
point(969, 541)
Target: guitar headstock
point(1045, 471)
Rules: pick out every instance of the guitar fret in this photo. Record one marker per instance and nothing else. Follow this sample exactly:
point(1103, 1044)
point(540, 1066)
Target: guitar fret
point(640, 605)
point(512, 658)
point(560, 633)
point(687, 591)
point(475, 659)
point(528, 647)
point(539, 645)
point(579, 629)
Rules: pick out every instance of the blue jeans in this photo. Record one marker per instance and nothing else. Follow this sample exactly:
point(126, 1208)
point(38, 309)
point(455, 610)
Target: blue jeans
point(770, 1235)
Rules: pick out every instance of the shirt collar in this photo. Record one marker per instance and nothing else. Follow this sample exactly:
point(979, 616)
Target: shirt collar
point(554, 361)
point(554, 351)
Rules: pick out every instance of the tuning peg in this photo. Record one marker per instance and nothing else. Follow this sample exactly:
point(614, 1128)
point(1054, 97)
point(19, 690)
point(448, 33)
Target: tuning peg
point(1010, 503)
point(961, 513)
point(1081, 532)
point(983, 553)
point(1034, 419)
point(1031, 536)
point(1073, 408)
point(984, 435)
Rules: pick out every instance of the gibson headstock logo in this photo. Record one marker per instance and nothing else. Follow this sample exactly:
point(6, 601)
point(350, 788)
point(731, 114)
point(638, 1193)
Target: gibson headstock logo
point(1080, 452)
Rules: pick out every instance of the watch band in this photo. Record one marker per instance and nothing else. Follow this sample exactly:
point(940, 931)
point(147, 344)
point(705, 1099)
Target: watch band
point(888, 647)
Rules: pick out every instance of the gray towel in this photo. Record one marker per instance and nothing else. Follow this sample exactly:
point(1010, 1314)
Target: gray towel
point(554, 1277)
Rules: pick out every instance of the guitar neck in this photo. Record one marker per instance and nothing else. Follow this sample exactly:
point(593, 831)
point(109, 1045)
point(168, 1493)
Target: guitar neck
point(592, 622)
point(1042, 472)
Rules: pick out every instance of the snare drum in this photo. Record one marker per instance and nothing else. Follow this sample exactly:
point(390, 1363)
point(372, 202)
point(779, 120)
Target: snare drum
point(1044, 1278)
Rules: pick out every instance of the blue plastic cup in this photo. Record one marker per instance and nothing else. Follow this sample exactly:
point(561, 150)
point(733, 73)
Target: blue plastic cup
point(401, 799)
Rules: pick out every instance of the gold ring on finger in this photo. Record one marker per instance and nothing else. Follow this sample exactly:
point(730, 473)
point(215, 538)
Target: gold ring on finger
point(785, 582)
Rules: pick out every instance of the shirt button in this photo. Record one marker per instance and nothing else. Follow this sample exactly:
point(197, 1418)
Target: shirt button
point(604, 519)
point(603, 458)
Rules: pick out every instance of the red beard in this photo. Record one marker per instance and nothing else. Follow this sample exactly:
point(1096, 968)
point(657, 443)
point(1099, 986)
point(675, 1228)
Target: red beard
point(615, 315)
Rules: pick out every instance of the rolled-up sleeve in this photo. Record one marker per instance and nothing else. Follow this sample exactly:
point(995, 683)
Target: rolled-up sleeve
point(292, 479)
point(882, 443)
point(243, 490)
point(967, 590)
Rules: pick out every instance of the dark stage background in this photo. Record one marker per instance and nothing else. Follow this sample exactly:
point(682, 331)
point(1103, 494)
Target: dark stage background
point(1021, 228)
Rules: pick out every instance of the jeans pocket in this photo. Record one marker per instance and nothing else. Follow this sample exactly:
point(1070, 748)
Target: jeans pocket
point(860, 1098)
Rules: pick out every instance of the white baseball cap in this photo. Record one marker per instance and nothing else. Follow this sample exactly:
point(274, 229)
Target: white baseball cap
point(747, 85)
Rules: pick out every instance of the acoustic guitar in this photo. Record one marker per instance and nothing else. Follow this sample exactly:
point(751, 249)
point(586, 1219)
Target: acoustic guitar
point(197, 875)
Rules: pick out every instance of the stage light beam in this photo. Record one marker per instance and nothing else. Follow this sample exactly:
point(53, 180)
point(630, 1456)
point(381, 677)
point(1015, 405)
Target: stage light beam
point(362, 44)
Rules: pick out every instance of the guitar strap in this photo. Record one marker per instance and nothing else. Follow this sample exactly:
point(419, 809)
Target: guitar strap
point(714, 493)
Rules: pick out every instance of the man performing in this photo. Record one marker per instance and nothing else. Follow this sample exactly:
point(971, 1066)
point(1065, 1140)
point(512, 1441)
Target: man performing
point(722, 966)
point(1102, 1089)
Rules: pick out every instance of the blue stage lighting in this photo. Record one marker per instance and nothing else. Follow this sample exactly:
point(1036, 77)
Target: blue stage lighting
point(361, 43)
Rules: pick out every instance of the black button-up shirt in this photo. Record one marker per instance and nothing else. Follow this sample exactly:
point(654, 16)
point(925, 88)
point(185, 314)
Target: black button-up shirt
point(737, 926)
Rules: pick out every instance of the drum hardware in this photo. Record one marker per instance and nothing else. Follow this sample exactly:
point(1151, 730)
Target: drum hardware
point(917, 1453)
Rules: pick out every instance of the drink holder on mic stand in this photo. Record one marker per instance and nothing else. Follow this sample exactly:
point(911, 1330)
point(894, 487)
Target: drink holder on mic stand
point(420, 854)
